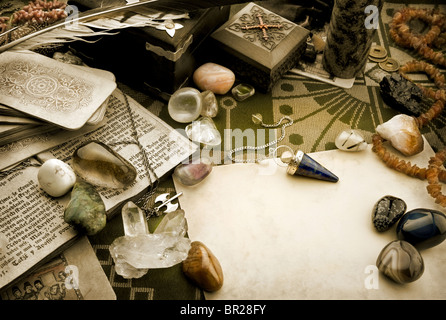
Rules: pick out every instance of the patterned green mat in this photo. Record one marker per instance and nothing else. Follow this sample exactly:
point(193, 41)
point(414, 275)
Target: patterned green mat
point(320, 112)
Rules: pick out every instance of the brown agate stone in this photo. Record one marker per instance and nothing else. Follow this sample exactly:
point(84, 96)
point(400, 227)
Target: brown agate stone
point(203, 268)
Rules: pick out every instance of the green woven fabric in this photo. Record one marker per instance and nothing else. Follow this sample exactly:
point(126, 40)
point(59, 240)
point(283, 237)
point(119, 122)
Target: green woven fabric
point(320, 112)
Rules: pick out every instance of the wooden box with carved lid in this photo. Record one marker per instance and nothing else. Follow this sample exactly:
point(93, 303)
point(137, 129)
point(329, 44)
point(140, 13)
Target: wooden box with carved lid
point(258, 45)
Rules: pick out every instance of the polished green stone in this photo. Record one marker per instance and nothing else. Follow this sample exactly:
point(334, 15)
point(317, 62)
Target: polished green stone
point(86, 210)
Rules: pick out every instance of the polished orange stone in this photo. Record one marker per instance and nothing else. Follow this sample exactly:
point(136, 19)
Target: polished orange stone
point(203, 268)
point(214, 77)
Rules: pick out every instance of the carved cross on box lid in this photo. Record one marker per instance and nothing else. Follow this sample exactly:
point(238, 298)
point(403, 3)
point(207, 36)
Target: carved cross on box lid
point(261, 26)
point(260, 36)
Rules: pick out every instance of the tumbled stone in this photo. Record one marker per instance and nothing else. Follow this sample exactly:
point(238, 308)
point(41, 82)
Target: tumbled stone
point(350, 140)
point(401, 94)
point(403, 133)
point(387, 211)
point(86, 210)
point(203, 268)
point(210, 104)
point(134, 220)
point(101, 166)
point(190, 174)
point(56, 177)
point(214, 77)
point(204, 131)
point(243, 91)
point(185, 105)
point(423, 228)
point(173, 223)
point(150, 251)
point(401, 262)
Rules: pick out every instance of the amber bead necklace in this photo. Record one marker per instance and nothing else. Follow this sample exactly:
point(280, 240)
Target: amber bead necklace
point(402, 35)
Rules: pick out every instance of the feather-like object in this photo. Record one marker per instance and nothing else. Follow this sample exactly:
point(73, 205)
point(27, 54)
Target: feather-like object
point(115, 7)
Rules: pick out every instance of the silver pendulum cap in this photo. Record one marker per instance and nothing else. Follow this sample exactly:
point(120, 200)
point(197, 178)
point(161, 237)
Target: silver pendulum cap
point(303, 165)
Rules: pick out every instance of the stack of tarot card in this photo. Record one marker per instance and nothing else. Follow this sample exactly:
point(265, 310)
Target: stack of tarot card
point(41, 95)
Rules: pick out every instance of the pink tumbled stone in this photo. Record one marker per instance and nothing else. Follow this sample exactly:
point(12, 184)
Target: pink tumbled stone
point(214, 77)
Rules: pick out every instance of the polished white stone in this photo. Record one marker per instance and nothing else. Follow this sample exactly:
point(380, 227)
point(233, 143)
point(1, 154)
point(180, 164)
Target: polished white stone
point(56, 177)
point(350, 140)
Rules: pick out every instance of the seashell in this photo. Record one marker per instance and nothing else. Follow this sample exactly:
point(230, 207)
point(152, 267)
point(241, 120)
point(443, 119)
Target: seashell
point(350, 140)
point(192, 173)
point(403, 133)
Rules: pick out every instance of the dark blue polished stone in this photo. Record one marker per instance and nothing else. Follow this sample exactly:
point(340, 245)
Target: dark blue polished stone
point(310, 168)
point(423, 228)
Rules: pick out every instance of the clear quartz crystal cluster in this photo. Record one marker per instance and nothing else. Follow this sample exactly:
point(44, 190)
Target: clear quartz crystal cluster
point(138, 250)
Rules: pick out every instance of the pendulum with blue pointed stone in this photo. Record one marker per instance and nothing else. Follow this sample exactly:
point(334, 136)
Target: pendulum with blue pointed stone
point(303, 165)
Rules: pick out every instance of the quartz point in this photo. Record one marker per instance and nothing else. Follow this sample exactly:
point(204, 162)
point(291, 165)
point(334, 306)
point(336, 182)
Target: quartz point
point(423, 228)
point(135, 223)
point(204, 131)
point(139, 250)
point(203, 268)
point(185, 105)
point(387, 211)
point(401, 262)
point(85, 210)
point(243, 91)
point(403, 133)
point(134, 220)
point(101, 166)
point(173, 223)
point(210, 105)
point(350, 140)
point(190, 174)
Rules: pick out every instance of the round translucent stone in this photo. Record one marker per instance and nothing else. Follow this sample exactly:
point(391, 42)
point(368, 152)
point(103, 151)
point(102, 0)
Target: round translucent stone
point(185, 105)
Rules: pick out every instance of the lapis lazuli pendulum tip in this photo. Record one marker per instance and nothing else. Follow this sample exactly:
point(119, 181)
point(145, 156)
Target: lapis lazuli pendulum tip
point(303, 165)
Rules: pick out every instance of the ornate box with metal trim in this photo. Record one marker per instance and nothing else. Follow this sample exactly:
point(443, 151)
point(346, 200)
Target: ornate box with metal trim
point(158, 59)
point(258, 45)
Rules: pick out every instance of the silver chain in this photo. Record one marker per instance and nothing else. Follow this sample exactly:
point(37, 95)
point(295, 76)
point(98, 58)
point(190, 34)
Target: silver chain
point(252, 148)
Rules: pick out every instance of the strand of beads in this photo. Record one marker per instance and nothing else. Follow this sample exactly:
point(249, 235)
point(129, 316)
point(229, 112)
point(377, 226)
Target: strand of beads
point(402, 34)
point(433, 174)
point(39, 11)
point(433, 177)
